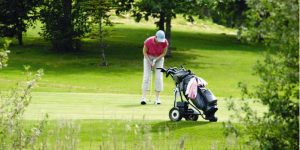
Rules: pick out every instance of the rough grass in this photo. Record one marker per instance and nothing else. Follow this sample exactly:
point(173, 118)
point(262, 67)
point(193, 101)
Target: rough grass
point(120, 134)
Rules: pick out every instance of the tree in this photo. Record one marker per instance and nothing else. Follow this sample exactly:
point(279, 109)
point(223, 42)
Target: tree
point(277, 22)
point(17, 16)
point(65, 22)
point(99, 10)
point(230, 13)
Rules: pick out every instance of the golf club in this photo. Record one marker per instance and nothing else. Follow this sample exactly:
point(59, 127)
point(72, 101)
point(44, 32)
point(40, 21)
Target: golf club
point(151, 80)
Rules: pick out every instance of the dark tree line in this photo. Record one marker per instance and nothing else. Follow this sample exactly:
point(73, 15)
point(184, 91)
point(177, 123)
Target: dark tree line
point(65, 23)
point(16, 16)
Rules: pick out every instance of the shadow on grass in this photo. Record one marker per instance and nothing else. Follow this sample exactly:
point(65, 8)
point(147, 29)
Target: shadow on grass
point(171, 125)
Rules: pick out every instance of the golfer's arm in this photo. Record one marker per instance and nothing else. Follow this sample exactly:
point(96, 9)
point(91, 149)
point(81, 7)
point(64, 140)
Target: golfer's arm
point(145, 49)
point(163, 54)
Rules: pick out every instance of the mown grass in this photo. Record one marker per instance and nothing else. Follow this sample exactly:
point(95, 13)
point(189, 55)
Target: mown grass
point(117, 121)
point(66, 106)
point(213, 54)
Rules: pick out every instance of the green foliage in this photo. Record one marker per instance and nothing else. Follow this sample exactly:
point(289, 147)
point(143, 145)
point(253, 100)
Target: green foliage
point(123, 5)
point(164, 10)
point(99, 10)
point(230, 13)
point(4, 54)
point(17, 16)
point(276, 23)
point(13, 134)
point(158, 8)
point(65, 22)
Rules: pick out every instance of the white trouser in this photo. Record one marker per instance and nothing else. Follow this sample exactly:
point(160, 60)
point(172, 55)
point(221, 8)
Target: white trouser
point(158, 75)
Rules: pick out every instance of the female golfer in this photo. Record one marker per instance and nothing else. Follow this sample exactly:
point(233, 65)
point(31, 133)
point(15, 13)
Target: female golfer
point(155, 48)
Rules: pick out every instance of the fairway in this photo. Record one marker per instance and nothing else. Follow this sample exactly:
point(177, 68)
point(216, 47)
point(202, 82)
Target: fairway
point(73, 106)
point(119, 121)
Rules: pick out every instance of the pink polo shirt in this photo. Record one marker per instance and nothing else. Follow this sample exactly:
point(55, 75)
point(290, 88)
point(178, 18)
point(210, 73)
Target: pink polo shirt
point(155, 49)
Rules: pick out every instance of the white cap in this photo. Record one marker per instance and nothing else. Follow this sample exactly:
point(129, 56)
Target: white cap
point(160, 36)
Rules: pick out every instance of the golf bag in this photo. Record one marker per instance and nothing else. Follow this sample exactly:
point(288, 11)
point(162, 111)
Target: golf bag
point(204, 100)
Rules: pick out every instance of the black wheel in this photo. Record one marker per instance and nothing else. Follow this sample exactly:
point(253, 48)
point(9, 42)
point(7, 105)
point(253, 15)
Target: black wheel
point(175, 114)
point(191, 117)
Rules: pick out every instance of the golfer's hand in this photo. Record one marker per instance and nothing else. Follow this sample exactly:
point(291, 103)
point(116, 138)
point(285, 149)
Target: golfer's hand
point(153, 63)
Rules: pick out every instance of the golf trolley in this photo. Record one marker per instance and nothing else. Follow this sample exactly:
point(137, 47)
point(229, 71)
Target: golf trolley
point(205, 103)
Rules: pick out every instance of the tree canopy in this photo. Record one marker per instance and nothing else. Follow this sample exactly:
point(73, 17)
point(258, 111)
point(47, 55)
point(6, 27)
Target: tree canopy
point(17, 16)
point(64, 23)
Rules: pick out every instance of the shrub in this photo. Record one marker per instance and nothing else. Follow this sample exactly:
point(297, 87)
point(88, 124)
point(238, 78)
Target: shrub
point(13, 134)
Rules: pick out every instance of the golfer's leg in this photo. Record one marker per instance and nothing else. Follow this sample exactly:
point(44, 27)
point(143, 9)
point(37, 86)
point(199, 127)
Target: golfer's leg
point(159, 77)
point(146, 78)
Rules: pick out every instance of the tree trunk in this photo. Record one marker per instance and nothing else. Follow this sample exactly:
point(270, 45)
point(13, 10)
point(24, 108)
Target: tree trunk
point(20, 38)
point(161, 22)
point(168, 33)
point(67, 41)
point(102, 46)
point(206, 11)
point(19, 31)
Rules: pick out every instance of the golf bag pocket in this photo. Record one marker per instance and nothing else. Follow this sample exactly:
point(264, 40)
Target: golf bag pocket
point(199, 102)
point(209, 96)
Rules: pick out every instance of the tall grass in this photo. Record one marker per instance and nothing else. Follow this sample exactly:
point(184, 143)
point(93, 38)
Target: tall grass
point(13, 135)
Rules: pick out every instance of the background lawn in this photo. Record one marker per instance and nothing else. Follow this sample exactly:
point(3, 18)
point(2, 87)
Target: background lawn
point(209, 50)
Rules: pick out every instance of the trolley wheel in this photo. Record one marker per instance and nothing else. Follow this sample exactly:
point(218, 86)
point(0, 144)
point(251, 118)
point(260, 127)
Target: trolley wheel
point(192, 117)
point(174, 114)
